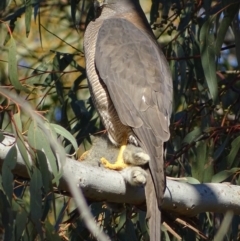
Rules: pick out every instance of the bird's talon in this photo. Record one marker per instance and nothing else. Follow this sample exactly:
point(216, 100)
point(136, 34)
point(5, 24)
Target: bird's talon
point(115, 166)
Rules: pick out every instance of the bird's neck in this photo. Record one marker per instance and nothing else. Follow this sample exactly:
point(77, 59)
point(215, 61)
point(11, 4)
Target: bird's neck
point(121, 7)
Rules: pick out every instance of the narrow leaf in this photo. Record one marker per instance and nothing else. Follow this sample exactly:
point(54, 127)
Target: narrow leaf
point(12, 66)
point(4, 4)
point(18, 121)
point(207, 46)
point(7, 176)
point(39, 140)
point(224, 25)
point(2, 137)
point(65, 133)
point(236, 31)
point(191, 136)
point(223, 175)
point(36, 200)
point(235, 146)
point(43, 166)
point(28, 16)
point(21, 222)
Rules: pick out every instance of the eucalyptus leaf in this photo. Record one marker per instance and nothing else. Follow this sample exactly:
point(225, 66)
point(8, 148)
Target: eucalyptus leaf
point(28, 15)
point(224, 25)
point(7, 176)
point(36, 200)
point(235, 146)
point(191, 136)
point(207, 46)
point(12, 66)
point(65, 133)
point(223, 175)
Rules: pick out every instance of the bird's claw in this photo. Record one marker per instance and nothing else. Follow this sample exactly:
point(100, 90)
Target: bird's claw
point(118, 165)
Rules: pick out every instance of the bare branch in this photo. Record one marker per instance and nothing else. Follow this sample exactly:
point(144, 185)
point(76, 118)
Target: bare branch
point(100, 184)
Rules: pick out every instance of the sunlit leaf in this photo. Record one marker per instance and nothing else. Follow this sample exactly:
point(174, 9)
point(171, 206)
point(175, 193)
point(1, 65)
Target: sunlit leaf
point(12, 66)
point(65, 133)
point(39, 140)
point(18, 121)
point(223, 175)
point(190, 180)
point(23, 150)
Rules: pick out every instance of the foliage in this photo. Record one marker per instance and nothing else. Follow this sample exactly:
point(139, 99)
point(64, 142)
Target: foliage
point(42, 62)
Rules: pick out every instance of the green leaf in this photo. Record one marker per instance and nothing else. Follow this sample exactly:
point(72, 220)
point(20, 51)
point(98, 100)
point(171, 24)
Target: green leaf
point(221, 148)
point(7, 176)
point(225, 225)
point(2, 137)
point(12, 66)
point(4, 4)
point(199, 161)
point(235, 146)
point(40, 74)
point(65, 133)
point(191, 136)
point(38, 139)
point(223, 175)
point(122, 221)
point(43, 166)
point(23, 151)
point(51, 235)
point(18, 121)
point(130, 231)
point(190, 180)
point(185, 16)
point(236, 31)
point(224, 25)
point(28, 15)
point(202, 161)
point(21, 221)
point(198, 69)
point(36, 200)
point(207, 46)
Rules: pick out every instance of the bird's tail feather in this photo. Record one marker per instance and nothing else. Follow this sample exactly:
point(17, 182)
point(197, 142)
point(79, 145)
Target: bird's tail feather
point(153, 212)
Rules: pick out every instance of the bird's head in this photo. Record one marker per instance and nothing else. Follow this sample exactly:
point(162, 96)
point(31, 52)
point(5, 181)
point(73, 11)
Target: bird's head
point(115, 3)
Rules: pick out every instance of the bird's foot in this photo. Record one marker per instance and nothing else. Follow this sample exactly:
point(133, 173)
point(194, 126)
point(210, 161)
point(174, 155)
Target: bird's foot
point(119, 164)
point(83, 156)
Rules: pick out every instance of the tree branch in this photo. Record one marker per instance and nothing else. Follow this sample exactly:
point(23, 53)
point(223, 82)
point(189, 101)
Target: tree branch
point(100, 184)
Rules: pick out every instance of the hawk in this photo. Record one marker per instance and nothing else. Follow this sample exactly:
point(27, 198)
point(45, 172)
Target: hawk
point(131, 87)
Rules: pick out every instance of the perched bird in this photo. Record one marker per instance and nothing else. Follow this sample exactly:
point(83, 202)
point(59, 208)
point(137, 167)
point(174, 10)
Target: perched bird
point(131, 87)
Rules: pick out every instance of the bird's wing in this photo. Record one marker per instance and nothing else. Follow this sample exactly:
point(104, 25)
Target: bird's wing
point(133, 68)
point(136, 74)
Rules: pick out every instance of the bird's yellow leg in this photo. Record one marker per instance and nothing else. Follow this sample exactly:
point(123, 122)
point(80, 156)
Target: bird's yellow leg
point(83, 156)
point(119, 164)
